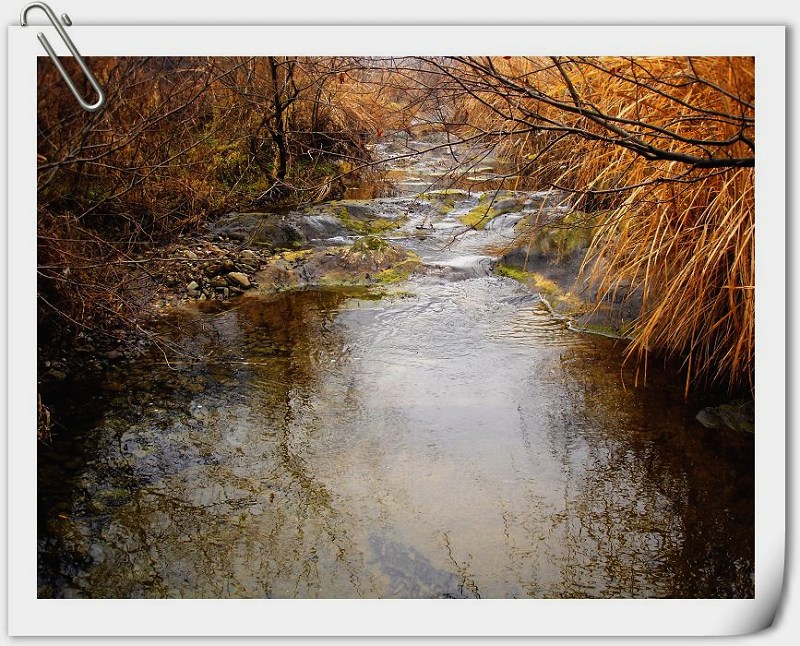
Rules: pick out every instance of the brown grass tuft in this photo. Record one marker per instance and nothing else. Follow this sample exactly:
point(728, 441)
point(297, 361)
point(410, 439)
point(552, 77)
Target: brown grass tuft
point(682, 231)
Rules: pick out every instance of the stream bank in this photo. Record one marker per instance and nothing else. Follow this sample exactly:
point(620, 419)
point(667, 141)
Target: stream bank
point(439, 436)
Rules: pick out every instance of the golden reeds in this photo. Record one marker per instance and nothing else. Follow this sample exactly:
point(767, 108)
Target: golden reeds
point(679, 225)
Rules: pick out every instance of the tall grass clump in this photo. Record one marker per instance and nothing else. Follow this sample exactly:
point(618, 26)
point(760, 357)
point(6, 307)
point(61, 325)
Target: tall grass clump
point(663, 149)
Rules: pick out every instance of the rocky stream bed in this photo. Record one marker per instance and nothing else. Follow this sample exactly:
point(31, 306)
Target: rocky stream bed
point(390, 397)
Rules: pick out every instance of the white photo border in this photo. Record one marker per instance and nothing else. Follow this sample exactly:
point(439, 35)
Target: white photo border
point(400, 617)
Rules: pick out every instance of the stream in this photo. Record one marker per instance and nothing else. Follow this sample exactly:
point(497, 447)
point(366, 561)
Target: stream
point(447, 437)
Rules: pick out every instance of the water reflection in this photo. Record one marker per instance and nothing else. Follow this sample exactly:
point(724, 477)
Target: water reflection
point(657, 504)
point(457, 443)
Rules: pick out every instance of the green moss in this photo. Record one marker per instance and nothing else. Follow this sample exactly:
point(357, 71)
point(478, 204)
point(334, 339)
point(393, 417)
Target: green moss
point(603, 330)
point(488, 208)
point(444, 193)
point(563, 301)
point(400, 271)
point(444, 201)
point(295, 256)
point(512, 272)
point(574, 231)
point(370, 243)
point(479, 217)
point(368, 226)
point(399, 294)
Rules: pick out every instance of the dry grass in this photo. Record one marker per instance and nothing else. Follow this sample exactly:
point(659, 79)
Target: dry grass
point(180, 140)
point(681, 232)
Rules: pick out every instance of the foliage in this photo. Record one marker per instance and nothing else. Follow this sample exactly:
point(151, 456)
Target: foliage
point(659, 152)
point(664, 147)
point(179, 141)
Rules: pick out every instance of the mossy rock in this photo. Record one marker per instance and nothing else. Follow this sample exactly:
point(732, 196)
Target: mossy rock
point(370, 243)
point(565, 235)
point(445, 200)
point(737, 415)
point(371, 252)
point(259, 230)
point(562, 301)
point(401, 271)
point(370, 260)
point(490, 205)
point(294, 256)
point(360, 217)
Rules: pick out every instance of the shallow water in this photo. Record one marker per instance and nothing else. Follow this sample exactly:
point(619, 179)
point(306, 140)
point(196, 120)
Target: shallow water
point(449, 439)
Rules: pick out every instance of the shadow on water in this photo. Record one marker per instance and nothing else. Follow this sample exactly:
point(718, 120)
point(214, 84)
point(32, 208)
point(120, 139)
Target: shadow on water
point(186, 473)
point(654, 502)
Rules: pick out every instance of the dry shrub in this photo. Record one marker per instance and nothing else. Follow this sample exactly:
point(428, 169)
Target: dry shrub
point(180, 140)
point(669, 163)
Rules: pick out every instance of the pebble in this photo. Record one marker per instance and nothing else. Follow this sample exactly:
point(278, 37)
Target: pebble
point(238, 278)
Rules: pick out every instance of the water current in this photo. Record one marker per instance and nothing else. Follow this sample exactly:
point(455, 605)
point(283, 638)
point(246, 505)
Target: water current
point(446, 438)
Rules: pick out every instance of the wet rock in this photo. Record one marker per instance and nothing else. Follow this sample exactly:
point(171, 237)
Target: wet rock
point(106, 499)
point(321, 226)
point(371, 253)
point(268, 229)
point(357, 210)
point(248, 255)
point(737, 416)
point(239, 279)
point(709, 417)
point(507, 205)
point(115, 354)
point(219, 281)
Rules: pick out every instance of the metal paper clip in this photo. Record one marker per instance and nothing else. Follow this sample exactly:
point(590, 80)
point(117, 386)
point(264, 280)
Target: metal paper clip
point(23, 18)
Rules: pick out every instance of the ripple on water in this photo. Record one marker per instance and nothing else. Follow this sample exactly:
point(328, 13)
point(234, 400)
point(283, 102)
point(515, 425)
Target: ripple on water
point(459, 441)
point(536, 326)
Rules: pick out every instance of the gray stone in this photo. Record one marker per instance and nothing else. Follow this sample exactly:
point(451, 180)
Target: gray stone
point(737, 415)
point(192, 286)
point(709, 417)
point(268, 229)
point(362, 211)
point(506, 205)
